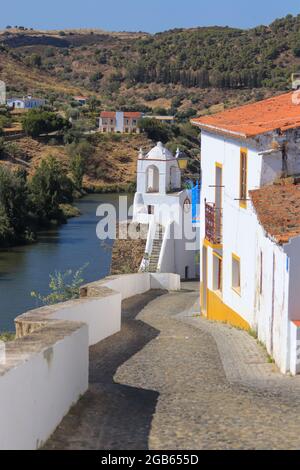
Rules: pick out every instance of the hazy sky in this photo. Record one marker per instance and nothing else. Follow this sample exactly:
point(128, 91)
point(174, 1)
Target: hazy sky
point(142, 15)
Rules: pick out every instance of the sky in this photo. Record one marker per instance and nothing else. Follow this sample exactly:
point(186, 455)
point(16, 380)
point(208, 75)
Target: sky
point(142, 15)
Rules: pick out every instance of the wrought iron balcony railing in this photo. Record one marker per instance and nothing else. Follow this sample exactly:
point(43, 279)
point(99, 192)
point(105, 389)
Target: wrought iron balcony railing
point(213, 223)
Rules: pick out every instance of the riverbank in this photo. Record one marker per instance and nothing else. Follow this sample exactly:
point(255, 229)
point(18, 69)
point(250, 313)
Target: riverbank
point(26, 268)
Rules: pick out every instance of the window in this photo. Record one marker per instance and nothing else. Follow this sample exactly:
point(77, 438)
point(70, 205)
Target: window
point(112, 129)
point(236, 274)
point(217, 272)
point(104, 129)
point(126, 130)
point(150, 210)
point(243, 178)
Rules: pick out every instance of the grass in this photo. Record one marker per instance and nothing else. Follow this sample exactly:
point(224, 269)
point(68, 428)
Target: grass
point(69, 210)
point(254, 335)
point(7, 336)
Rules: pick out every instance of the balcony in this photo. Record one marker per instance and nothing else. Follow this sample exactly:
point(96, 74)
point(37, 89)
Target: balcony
point(213, 224)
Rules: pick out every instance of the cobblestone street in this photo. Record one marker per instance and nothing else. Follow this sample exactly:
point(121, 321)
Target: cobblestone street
point(170, 380)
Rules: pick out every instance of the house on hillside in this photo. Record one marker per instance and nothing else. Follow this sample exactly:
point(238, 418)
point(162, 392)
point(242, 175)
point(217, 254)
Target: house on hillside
point(119, 121)
point(250, 241)
point(25, 103)
point(82, 100)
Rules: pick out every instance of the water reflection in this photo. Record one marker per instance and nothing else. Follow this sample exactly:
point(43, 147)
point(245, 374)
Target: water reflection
point(24, 269)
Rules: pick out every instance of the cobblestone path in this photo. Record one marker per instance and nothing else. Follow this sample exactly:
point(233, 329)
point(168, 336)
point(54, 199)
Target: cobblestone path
point(169, 380)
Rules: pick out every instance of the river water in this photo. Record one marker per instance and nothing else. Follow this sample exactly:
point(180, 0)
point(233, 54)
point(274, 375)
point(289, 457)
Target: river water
point(25, 269)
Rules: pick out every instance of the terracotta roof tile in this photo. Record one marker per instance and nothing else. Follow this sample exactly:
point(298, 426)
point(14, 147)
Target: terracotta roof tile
point(279, 112)
point(108, 114)
point(132, 115)
point(278, 209)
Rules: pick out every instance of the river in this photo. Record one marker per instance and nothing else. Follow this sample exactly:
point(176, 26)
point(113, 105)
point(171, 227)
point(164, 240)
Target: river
point(25, 269)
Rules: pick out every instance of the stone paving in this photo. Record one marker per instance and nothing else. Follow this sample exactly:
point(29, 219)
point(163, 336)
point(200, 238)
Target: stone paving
point(170, 380)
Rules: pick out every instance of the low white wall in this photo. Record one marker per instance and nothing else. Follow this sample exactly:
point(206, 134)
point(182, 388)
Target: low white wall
point(129, 285)
point(46, 372)
point(102, 315)
point(294, 349)
point(169, 281)
point(38, 389)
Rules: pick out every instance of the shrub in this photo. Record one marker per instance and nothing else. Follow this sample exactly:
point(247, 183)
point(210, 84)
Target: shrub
point(155, 130)
point(63, 286)
point(37, 122)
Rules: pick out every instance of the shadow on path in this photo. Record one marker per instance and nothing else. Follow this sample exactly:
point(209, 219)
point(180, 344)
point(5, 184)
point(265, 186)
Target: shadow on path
point(110, 415)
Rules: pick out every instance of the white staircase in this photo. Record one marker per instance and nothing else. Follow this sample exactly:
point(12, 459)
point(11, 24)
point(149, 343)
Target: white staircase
point(156, 248)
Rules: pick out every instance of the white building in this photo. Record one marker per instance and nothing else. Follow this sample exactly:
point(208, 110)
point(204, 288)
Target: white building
point(119, 121)
point(250, 241)
point(25, 103)
point(167, 209)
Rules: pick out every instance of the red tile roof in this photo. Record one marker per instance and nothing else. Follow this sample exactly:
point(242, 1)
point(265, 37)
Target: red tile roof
point(280, 112)
point(112, 114)
point(108, 114)
point(133, 115)
point(278, 209)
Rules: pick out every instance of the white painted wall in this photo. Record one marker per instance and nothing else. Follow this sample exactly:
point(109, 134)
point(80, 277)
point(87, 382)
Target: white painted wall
point(40, 387)
point(295, 349)
point(44, 375)
point(166, 281)
point(244, 237)
point(177, 253)
point(129, 284)
point(102, 315)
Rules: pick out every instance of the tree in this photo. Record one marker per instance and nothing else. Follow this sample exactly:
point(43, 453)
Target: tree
point(77, 169)
point(50, 187)
point(155, 130)
point(34, 60)
point(93, 103)
point(14, 205)
point(79, 154)
point(296, 51)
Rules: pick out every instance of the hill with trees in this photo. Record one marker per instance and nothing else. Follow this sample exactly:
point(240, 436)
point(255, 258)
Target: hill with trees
point(176, 70)
point(164, 70)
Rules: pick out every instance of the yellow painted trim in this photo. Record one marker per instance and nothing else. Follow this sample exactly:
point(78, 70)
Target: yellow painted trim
point(237, 291)
point(204, 310)
point(218, 311)
point(219, 165)
point(243, 204)
point(236, 257)
point(220, 257)
point(208, 244)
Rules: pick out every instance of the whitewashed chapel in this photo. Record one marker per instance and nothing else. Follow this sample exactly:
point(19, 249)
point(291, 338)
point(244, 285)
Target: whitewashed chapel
point(162, 204)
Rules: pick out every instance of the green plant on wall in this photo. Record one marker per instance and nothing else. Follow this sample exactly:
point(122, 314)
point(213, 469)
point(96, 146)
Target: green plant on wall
point(63, 286)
